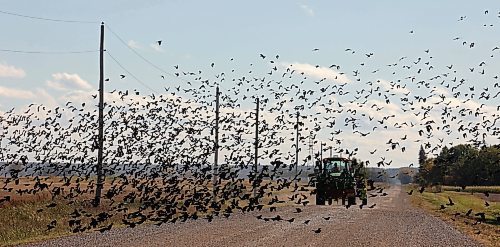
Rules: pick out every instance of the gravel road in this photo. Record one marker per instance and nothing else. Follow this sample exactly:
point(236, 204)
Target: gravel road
point(391, 222)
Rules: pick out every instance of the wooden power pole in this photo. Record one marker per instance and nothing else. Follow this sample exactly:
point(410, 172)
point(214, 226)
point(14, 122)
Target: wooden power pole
point(100, 175)
point(256, 145)
point(297, 146)
point(216, 144)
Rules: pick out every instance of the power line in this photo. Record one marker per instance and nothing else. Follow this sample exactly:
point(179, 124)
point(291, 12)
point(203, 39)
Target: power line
point(128, 72)
point(48, 52)
point(139, 55)
point(46, 19)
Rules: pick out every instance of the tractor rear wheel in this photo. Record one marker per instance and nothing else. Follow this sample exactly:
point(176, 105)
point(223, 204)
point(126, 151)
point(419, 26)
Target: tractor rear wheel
point(320, 198)
point(351, 200)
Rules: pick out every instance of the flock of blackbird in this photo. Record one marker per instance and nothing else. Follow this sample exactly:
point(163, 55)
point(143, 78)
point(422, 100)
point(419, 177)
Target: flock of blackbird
point(159, 148)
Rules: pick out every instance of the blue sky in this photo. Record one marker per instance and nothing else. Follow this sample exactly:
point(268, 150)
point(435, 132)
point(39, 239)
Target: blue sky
point(197, 33)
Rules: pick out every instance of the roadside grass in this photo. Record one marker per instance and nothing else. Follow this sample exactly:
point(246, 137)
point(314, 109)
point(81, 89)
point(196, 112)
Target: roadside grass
point(486, 231)
point(26, 222)
point(25, 218)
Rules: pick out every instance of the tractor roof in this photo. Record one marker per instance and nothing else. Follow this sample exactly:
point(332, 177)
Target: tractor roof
point(337, 159)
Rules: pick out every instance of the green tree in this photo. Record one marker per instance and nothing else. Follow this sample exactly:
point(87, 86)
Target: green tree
point(423, 172)
point(422, 157)
point(462, 165)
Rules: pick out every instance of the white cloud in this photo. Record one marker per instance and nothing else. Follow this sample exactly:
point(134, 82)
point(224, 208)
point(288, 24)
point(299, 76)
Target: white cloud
point(16, 93)
point(65, 81)
point(317, 72)
point(45, 97)
point(156, 47)
point(11, 71)
point(134, 44)
point(307, 9)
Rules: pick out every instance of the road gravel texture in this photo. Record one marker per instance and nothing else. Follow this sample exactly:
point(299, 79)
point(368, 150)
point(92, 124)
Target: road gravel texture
point(391, 222)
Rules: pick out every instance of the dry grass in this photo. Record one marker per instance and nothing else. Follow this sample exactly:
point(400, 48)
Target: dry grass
point(487, 231)
point(24, 223)
point(25, 218)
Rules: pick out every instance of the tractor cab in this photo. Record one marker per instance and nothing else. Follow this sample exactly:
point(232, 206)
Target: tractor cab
point(336, 166)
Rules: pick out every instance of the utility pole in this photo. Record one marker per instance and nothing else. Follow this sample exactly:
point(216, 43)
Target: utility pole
point(100, 175)
point(216, 144)
point(330, 151)
point(321, 151)
point(311, 149)
point(256, 145)
point(297, 146)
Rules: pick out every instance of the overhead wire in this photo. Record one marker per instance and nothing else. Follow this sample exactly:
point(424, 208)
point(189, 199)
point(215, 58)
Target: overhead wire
point(129, 73)
point(48, 52)
point(86, 51)
point(139, 55)
point(46, 19)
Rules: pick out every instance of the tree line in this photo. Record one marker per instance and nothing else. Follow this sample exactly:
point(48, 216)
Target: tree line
point(461, 165)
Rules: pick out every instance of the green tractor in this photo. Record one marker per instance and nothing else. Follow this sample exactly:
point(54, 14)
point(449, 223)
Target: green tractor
point(337, 178)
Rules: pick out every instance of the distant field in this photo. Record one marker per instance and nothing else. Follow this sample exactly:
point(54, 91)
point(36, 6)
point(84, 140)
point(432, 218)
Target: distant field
point(487, 231)
point(474, 189)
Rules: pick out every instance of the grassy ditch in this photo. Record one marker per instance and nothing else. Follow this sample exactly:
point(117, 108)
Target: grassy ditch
point(484, 229)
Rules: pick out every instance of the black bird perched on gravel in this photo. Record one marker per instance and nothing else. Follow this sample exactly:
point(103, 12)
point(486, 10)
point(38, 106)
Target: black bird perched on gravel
point(277, 218)
point(307, 222)
point(106, 228)
point(317, 230)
